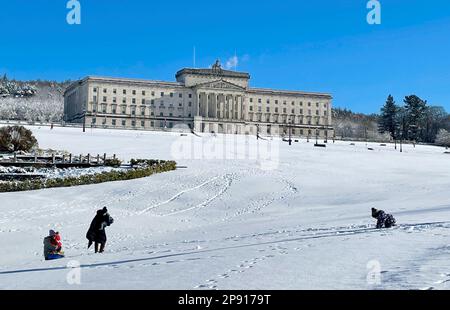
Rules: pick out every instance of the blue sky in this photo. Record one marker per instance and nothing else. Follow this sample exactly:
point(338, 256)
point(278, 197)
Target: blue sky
point(324, 46)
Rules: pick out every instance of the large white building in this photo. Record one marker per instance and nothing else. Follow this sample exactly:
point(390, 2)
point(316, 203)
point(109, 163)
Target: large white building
point(206, 100)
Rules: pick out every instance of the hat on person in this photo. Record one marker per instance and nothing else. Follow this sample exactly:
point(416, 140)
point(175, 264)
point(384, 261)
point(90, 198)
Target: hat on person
point(52, 233)
point(374, 212)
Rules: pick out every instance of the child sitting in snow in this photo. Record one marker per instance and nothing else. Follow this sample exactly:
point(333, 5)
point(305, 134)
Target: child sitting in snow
point(384, 220)
point(53, 246)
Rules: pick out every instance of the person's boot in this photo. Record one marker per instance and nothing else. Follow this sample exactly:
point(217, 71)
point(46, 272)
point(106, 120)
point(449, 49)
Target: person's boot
point(102, 247)
point(89, 244)
point(96, 247)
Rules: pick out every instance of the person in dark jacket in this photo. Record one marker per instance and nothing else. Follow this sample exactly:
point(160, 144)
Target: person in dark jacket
point(384, 220)
point(96, 233)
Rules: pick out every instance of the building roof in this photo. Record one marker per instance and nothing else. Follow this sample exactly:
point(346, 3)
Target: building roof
point(213, 72)
point(268, 91)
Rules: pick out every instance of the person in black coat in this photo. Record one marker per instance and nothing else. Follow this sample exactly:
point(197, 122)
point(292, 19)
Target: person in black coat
point(384, 220)
point(96, 233)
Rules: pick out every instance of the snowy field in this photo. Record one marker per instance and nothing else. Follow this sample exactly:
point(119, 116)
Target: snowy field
point(300, 221)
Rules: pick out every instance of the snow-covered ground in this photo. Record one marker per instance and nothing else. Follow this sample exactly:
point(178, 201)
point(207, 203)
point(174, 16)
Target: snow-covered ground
point(300, 220)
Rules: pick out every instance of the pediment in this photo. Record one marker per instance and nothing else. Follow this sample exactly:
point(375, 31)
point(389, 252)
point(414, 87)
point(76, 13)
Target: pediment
point(220, 84)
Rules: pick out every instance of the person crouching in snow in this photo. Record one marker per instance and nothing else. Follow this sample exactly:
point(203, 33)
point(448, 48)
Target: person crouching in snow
point(96, 233)
point(53, 246)
point(384, 220)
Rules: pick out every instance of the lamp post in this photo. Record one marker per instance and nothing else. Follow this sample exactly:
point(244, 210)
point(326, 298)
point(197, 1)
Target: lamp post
point(84, 120)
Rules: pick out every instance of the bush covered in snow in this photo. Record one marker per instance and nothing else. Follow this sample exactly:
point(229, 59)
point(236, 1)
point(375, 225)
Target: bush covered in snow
point(163, 166)
point(443, 138)
point(16, 138)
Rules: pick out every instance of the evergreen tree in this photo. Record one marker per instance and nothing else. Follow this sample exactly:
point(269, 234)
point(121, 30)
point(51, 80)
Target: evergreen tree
point(388, 121)
point(415, 113)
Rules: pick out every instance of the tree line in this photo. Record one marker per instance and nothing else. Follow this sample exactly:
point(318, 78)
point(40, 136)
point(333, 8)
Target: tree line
point(414, 121)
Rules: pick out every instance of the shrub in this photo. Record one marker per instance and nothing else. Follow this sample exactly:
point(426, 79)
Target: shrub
point(16, 138)
point(162, 166)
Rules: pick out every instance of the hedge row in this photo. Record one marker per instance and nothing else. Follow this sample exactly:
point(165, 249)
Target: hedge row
point(141, 172)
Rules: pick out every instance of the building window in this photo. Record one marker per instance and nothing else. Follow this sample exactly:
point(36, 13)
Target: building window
point(301, 111)
point(171, 95)
point(180, 95)
point(114, 100)
point(94, 108)
point(324, 113)
point(142, 123)
point(104, 90)
point(133, 123)
point(152, 124)
point(143, 111)
point(268, 101)
point(190, 115)
point(259, 110)
point(284, 110)
point(284, 102)
point(114, 91)
point(152, 113)
point(259, 100)
point(95, 89)
point(190, 95)
point(124, 100)
point(301, 131)
point(143, 101)
point(276, 110)
point(251, 99)
point(161, 124)
point(171, 114)
point(162, 94)
point(113, 122)
point(124, 110)
point(95, 98)
point(133, 111)
point(268, 110)
point(317, 112)
point(134, 92)
point(317, 104)
point(143, 93)
point(161, 113)
point(152, 102)
point(104, 108)
point(124, 122)
point(293, 102)
point(124, 91)
point(309, 104)
point(133, 101)
point(153, 93)
point(105, 99)
point(251, 108)
point(309, 112)
point(114, 110)
point(190, 104)
point(276, 101)
point(301, 103)
point(293, 111)
point(104, 121)
point(94, 120)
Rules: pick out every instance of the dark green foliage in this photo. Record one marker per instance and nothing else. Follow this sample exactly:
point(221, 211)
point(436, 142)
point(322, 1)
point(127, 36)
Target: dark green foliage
point(114, 162)
point(388, 121)
point(159, 166)
point(16, 138)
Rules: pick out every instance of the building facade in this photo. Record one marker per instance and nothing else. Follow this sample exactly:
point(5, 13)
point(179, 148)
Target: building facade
point(205, 100)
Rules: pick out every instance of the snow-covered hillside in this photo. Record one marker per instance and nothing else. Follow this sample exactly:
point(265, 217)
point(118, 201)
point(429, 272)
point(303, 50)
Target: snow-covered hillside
point(303, 222)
